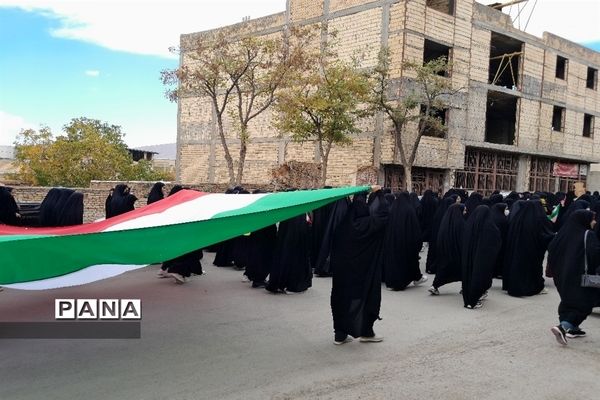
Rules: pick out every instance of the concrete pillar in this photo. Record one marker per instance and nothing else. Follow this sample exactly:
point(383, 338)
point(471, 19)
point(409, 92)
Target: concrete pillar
point(593, 178)
point(523, 173)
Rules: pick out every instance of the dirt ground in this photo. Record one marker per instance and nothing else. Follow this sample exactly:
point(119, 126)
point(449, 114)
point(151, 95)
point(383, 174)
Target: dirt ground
point(216, 338)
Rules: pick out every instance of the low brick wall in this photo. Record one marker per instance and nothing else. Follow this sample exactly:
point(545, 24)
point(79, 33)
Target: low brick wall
point(95, 195)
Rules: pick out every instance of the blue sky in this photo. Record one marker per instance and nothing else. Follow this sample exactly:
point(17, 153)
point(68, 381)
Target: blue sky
point(102, 59)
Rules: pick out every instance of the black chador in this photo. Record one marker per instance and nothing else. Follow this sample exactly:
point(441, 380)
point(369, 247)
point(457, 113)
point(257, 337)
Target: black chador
point(261, 245)
point(290, 270)
point(355, 264)
point(401, 246)
point(429, 204)
point(474, 200)
point(48, 214)
point(501, 221)
point(185, 265)
point(225, 251)
point(566, 257)
point(156, 193)
point(338, 212)
point(9, 210)
point(481, 245)
point(449, 247)
point(121, 201)
point(529, 232)
point(72, 211)
point(61, 203)
point(320, 220)
point(430, 265)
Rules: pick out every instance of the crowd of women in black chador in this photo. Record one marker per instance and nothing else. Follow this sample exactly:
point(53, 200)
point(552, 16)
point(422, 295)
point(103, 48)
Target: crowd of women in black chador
point(370, 240)
point(60, 207)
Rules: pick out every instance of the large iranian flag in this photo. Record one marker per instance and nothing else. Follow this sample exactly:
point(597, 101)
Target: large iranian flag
point(43, 258)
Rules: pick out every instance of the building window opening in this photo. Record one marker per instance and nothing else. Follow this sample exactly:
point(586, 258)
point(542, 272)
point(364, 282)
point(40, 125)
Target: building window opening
point(592, 78)
point(558, 119)
point(445, 6)
point(562, 65)
point(588, 125)
point(505, 56)
point(435, 125)
point(433, 50)
point(501, 118)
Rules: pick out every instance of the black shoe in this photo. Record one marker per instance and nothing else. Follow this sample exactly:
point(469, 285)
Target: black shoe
point(575, 333)
point(560, 334)
point(257, 284)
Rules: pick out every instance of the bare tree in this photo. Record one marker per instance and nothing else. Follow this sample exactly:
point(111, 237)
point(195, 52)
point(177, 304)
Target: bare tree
point(433, 91)
point(241, 77)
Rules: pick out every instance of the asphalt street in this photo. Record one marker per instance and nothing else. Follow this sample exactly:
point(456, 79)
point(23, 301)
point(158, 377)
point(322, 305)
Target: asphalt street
point(216, 338)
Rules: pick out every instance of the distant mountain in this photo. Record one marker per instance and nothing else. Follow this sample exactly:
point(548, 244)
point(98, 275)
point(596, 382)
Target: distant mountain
point(166, 151)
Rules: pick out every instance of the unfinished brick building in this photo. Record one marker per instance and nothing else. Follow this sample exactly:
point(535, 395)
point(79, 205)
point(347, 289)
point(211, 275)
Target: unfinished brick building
point(525, 119)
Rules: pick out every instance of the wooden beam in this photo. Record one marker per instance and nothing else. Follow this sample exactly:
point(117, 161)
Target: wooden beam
point(516, 53)
point(510, 3)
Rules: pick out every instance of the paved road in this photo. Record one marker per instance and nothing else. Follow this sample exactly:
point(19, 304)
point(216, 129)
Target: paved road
point(216, 338)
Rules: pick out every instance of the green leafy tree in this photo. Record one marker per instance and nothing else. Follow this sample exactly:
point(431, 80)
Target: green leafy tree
point(324, 105)
point(241, 77)
point(88, 150)
point(432, 92)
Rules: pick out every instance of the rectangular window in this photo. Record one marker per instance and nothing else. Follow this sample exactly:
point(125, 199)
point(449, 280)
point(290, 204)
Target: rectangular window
point(505, 61)
point(558, 119)
point(588, 125)
point(592, 78)
point(445, 6)
point(433, 50)
point(501, 118)
point(562, 65)
point(437, 127)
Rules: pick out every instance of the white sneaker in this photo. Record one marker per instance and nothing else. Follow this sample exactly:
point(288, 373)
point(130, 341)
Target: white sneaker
point(180, 279)
point(163, 274)
point(478, 305)
point(245, 279)
point(484, 296)
point(434, 291)
point(423, 279)
point(347, 340)
point(371, 339)
point(544, 291)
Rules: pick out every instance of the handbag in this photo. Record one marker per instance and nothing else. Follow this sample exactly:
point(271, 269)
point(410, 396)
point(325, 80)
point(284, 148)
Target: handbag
point(587, 280)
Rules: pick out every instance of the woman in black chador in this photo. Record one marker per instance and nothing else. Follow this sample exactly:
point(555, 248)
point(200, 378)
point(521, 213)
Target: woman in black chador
point(320, 220)
point(429, 204)
point(529, 232)
point(290, 270)
point(120, 201)
point(156, 193)
point(261, 245)
point(566, 255)
point(339, 209)
point(356, 268)
point(475, 200)
point(182, 267)
point(9, 210)
point(401, 246)
point(446, 202)
point(72, 211)
point(481, 245)
point(501, 221)
point(48, 213)
point(449, 248)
